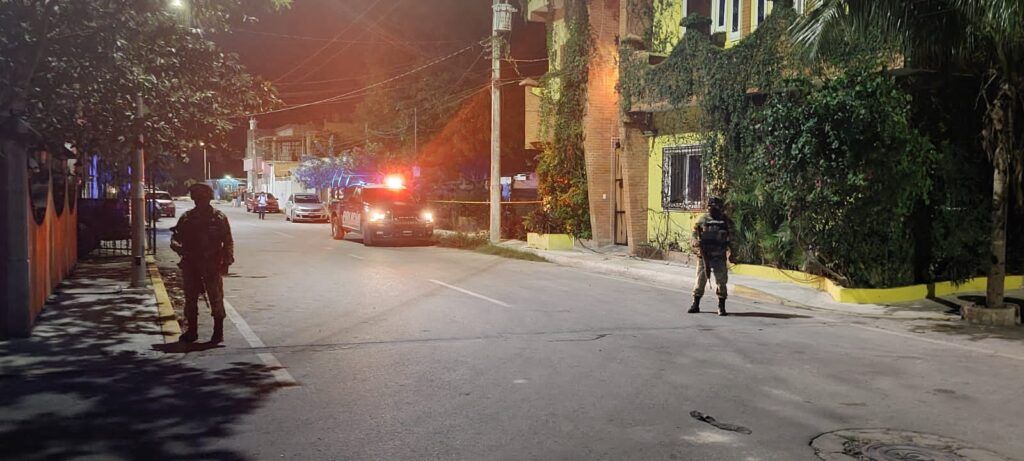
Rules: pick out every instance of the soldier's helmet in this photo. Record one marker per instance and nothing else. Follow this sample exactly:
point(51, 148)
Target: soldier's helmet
point(715, 202)
point(200, 191)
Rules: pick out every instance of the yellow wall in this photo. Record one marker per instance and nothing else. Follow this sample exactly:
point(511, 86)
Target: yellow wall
point(667, 31)
point(665, 225)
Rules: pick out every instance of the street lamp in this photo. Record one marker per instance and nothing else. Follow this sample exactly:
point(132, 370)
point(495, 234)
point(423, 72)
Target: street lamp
point(206, 166)
point(177, 4)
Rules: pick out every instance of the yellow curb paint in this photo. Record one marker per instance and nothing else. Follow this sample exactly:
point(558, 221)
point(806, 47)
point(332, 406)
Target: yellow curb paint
point(165, 310)
point(549, 241)
point(1012, 282)
point(868, 295)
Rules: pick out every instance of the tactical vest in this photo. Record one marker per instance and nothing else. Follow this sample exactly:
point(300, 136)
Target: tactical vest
point(714, 236)
point(202, 237)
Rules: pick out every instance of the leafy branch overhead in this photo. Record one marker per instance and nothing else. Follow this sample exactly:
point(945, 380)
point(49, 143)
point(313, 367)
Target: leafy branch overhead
point(73, 69)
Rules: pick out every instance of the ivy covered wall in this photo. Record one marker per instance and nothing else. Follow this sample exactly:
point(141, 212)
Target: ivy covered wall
point(829, 167)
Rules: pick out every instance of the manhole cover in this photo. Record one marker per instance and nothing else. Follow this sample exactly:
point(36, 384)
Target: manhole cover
point(894, 445)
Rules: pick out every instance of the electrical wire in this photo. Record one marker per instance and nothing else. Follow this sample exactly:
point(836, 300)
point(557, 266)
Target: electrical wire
point(321, 49)
point(368, 87)
point(325, 39)
point(330, 58)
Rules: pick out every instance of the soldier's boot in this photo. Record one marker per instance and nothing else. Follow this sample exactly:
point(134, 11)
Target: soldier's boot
point(721, 307)
point(218, 331)
point(192, 334)
point(695, 307)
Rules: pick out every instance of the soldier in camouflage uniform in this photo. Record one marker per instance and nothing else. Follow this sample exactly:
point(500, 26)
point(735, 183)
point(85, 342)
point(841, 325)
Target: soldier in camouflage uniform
point(203, 240)
point(712, 236)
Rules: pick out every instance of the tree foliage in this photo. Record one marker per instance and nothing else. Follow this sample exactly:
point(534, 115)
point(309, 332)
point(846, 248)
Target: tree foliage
point(73, 69)
point(846, 168)
point(981, 37)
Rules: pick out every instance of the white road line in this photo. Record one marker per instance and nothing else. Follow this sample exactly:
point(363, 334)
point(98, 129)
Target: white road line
point(281, 374)
point(356, 256)
point(475, 295)
point(282, 234)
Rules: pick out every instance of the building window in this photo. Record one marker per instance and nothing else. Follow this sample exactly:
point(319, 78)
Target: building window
point(683, 178)
point(720, 15)
point(735, 16)
point(761, 6)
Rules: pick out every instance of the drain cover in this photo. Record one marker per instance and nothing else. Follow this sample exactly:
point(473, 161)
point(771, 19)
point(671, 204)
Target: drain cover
point(894, 445)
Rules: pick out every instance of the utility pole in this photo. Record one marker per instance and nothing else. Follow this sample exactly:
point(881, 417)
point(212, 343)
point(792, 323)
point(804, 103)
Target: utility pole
point(138, 196)
point(502, 22)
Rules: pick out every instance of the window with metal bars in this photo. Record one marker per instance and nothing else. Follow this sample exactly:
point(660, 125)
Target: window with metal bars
point(683, 177)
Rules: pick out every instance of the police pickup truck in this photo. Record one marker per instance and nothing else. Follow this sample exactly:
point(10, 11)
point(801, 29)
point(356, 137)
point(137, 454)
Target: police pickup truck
point(380, 212)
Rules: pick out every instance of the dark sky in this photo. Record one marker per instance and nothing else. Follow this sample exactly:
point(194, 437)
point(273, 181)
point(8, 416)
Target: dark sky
point(375, 39)
point(372, 40)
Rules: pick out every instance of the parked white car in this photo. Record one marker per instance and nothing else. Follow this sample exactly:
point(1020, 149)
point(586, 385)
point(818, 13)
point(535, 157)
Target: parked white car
point(305, 207)
point(164, 202)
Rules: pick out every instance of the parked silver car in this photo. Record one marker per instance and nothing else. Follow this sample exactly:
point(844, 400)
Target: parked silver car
point(305, 207)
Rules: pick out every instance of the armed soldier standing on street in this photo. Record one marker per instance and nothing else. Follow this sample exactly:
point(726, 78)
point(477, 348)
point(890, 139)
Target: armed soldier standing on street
point(712, 236)
point(203, 240)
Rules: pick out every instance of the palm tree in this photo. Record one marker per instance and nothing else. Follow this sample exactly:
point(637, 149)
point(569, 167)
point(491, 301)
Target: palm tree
point(981, 37)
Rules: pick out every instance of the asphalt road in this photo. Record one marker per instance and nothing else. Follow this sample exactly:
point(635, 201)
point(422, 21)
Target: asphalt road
point(418, 352)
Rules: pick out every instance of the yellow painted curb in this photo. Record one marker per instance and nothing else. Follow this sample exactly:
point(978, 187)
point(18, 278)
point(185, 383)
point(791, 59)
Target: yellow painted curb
point(549, 241)
point(166, 317)
point(868, 295)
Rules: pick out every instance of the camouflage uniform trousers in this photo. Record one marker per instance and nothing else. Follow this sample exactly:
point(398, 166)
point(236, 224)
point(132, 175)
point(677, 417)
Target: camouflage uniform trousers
point(199, 277)
point(721, 272)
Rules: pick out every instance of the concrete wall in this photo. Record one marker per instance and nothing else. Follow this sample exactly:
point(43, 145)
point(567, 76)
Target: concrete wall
point(53, 247)
point(36, 255)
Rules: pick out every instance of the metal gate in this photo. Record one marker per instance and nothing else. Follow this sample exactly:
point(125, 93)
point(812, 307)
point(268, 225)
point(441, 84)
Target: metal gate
point(621, 237)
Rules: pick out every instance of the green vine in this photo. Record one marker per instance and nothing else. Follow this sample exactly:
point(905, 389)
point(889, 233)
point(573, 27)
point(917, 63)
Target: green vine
point(561, 165)
point(820, 163)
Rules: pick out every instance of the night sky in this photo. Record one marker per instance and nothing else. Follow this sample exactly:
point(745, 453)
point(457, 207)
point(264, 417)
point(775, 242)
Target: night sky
point(372, 41)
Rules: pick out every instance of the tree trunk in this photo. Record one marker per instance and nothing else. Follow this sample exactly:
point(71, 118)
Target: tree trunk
point(1001, 117)
point(997, 271)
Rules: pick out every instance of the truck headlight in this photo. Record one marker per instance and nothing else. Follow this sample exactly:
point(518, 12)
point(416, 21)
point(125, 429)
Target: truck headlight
point(428, 216)
point(376, 216)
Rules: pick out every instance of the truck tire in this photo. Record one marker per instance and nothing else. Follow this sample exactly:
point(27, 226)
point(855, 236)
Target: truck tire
point(367, 236)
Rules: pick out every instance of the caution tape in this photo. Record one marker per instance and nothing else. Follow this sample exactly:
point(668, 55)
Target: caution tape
point(482, 203)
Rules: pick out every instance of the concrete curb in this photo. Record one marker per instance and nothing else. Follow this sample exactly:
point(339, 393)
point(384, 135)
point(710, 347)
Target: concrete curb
point(684, 282)
point(166, 317)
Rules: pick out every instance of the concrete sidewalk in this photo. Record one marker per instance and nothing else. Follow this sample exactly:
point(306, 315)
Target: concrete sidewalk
point(681, 276)
point(95, 380)
point(93, 314)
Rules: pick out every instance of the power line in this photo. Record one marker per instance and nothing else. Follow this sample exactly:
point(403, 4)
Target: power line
point(360, 90)
point(325, 39)
point(336, 37)
point(348, 45)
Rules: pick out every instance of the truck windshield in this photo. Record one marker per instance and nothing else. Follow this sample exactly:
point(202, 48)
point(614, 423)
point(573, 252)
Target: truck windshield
point(386, 195)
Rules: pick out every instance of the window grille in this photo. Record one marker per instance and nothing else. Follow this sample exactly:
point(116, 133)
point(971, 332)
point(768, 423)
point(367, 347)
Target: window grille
point(682, 177)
